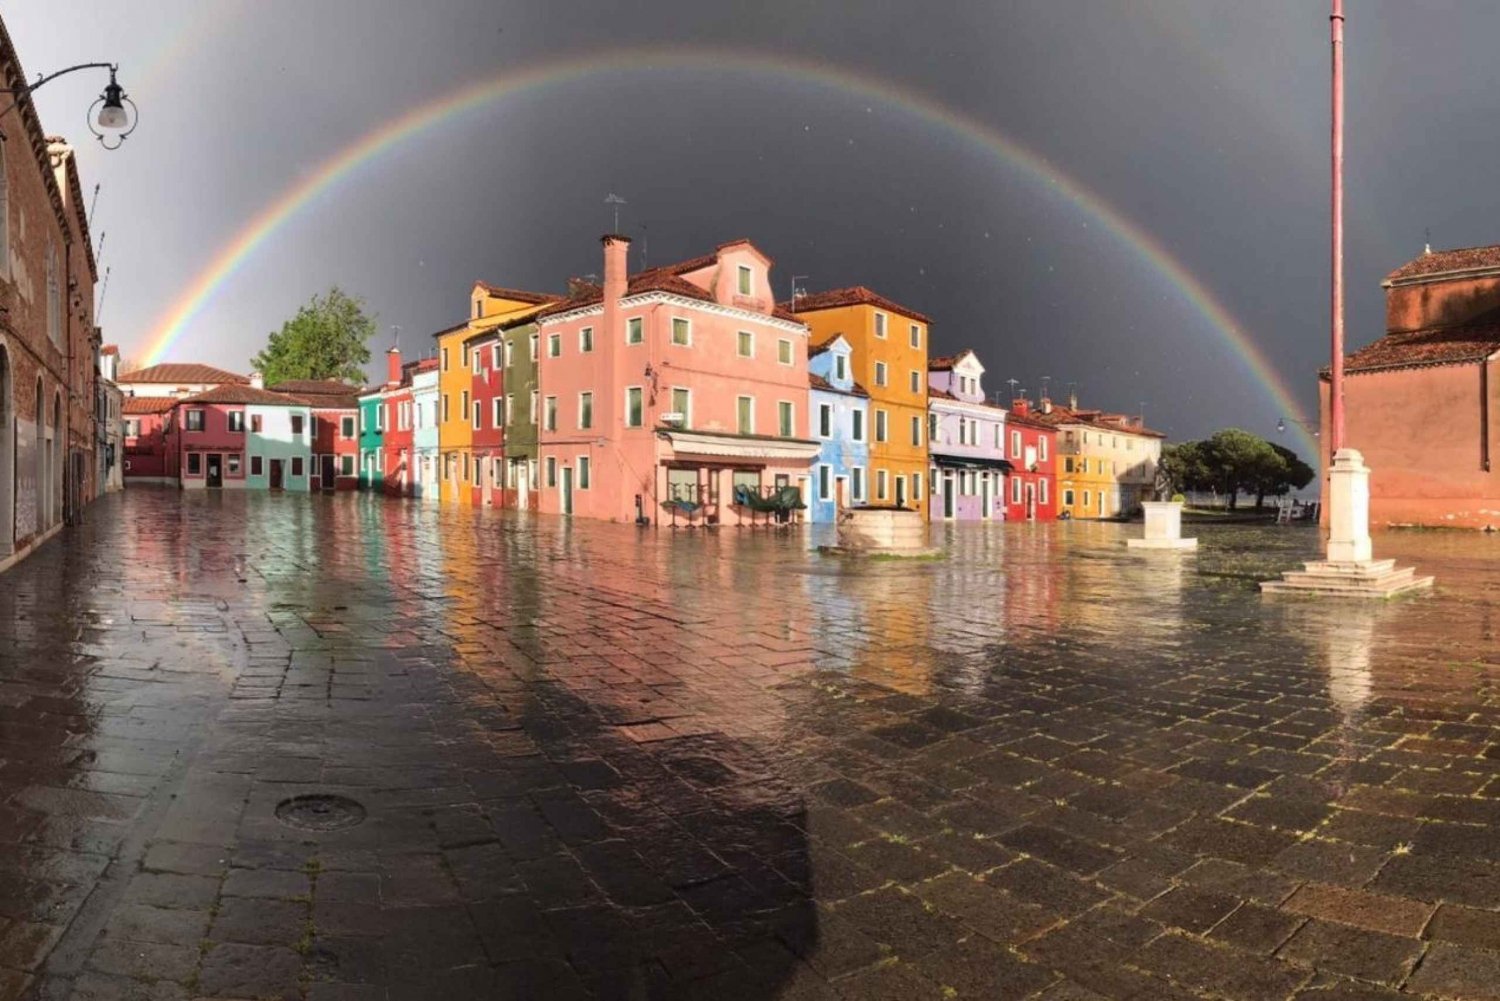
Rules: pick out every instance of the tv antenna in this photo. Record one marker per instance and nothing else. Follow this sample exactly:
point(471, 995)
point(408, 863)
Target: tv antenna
point(1046, 381)
point(103, 291)
point(1013, 383)
point(645, 246)
point(89, 222)
point(796, 291)
point(615, 201)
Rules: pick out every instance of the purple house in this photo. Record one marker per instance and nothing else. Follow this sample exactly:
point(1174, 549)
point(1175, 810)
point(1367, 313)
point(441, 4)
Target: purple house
point(966, 441)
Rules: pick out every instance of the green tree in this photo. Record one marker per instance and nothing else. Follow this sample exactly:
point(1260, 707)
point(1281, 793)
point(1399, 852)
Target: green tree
point(1182, 466)
point(327, 339)
point(1281, 474)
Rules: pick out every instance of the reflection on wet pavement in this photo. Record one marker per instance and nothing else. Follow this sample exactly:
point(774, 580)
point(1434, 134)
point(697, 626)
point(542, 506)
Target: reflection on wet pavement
point(597, 763)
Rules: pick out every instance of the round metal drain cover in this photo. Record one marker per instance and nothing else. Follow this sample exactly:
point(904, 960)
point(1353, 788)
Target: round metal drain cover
point(320, 812)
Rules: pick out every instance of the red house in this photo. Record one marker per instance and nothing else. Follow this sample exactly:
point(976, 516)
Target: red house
point(150, 449)
point(1031, 484)
point(397, 458)
point(335, 420)
point(487, 418)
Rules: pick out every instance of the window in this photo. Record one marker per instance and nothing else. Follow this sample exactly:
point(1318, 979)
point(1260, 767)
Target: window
point(745, 412)
point(1085, 498)
point(880, 325)
point(880, 428)
point(257, 465)
point(746, 344)
point(1015, 490)
point(463, 407)
point(478, 471)
point(585, 411)
point(551, 469)
point(880, 484)
point(445, 359)
point(1068, 465)
point(916, 336)
point(554, 345)
point(681, 331)
point(476, 356)
point(857, 483)
point(857, 424)
point(297, 467)
point(682, 403)
point(346, 465)
point(744, 280)
point(880, 373)
point(232, 463)
point(236, 421)
point(932, 427)
point(785, 418)
point(1083, 466)
point(583, 472)
point(298, 420)
point(1041, 490)
point(916, 430)
point(1067, 497)
point(1041, 447)
point(1015, 444)
point(840, 367)
point(825, 483)
point(477, 415)
point(825, 420)
point(54, 296)
point(466, 355)
point(346, 427)
point(633, 331)
point(916, 381)
point(916, 486)
point(194, 420)
point(535, 340)
point(784, 352)
point(634, 415)
point(586, 339)
point(551, 414)
point(478, 309)
point(132, 429)
point(445, 408)
point(501, 416)
point(531, 419)
point(195, 464)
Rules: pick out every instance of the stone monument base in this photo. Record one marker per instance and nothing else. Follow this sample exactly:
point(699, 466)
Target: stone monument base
point(1163, 528)
point(889, 531)
point(1366, 579)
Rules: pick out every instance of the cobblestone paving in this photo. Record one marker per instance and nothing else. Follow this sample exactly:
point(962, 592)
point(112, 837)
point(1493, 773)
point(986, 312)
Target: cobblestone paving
point(597, 763)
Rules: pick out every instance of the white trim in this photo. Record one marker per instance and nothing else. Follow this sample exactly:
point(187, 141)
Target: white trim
point(672, 340)
point(682, 302)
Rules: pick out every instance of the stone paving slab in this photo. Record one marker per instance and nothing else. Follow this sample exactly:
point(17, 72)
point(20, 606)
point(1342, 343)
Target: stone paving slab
point(600, 763)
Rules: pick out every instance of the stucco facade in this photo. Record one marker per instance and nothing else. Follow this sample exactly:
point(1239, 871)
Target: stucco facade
point(966, 441)
point(1031, 483)
point(1108, 460)
point(424, 435)
point(520, 346)
point(839, 420)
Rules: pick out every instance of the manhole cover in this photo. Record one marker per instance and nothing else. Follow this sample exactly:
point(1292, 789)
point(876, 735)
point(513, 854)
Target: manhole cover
point(320, 812)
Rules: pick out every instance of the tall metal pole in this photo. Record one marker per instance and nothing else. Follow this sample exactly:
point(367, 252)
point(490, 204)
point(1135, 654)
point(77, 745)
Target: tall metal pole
point(1336, 379)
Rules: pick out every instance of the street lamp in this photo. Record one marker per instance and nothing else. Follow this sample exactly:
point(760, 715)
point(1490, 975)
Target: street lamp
point(1311, 426)
point(111, 123)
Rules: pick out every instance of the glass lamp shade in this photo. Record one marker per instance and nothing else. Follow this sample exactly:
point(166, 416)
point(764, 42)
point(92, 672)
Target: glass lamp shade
point(112, 116)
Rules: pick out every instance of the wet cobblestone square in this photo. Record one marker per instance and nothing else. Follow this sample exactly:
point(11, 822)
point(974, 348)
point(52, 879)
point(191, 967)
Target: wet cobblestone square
point(598, 763)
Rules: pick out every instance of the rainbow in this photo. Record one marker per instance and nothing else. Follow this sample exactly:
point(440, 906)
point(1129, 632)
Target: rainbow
point(482, 93)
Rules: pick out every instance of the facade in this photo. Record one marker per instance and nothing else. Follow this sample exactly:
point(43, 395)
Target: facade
point(150, 446)
point(1421, 404)
point(455, 431)
point(335, 420)
point(889, 358)
point(424, 434)
point(384, 437)
point(1108, 460)
point(48, 341)
point(371, 438)
point(487, 425)
point(839, 420)
point(1030, 492)
point(679, 393)
point(243, 437)
point(966, 440)
point(520, 354)
point(110, 422)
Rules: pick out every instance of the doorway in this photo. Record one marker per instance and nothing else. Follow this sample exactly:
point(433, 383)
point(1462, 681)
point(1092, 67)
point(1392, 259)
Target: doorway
point(215, 469)
point(276, 465)
point(985, 494)
point(326, 475)
point(567, 490)
point(900, 491)
point(523, 484)
point(1031, 502)
point(948, 495)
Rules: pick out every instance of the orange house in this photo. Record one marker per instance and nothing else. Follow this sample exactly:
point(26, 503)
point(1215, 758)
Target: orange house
point(889, 359)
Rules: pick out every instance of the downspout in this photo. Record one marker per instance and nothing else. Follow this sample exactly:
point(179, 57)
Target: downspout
point(1484, 415)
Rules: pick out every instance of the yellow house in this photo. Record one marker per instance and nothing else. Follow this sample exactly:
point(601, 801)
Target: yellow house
point(889, 359)
point(489, 307)
point(1106, 462)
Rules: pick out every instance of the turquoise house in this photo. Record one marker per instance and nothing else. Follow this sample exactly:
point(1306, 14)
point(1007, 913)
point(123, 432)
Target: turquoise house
point(839, 420)
point(371, 432)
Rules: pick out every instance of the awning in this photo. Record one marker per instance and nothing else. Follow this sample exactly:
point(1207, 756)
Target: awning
point(971, 462)
point(741, 446)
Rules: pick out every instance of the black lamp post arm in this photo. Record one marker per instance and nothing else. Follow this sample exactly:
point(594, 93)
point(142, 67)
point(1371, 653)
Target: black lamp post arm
point(20, 92)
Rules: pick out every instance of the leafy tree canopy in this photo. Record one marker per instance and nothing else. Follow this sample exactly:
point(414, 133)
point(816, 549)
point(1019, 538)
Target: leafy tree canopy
point(1232, 462)
point(327, 339)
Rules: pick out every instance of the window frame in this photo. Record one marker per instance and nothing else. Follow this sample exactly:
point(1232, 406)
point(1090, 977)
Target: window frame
point(586, 410)
point(882, 427)
point(786, 419)
point(640, 406)
point(585, 340)
point(746, 280)
point(635, 330)
point(687, 325)
point(744, 427)
point(741, 338)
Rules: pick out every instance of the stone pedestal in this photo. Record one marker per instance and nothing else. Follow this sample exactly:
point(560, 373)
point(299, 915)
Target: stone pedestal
point(1163, 527)
point(1349, 569)
point(883, 530)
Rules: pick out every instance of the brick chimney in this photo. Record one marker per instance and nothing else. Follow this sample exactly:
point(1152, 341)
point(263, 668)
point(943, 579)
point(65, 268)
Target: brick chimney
point(616, 279)
point(393, 367)
point(1020, 407)
point(616, 263)
point(1046, 405)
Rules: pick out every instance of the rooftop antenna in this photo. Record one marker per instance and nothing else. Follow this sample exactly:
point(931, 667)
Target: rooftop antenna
point(396, 336)
point(796, 291)
point(92, 202)
point(645, 246)
point(1046, 381)
point(99, 252)
point(614, 201)
point(1141, 412)
point(103, 291)
point(1072, 396)
point(1013, 383)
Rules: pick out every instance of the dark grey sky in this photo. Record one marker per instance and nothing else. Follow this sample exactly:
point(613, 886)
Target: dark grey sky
point(1202, 122)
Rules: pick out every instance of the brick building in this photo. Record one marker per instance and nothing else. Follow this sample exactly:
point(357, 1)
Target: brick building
point(48, 341)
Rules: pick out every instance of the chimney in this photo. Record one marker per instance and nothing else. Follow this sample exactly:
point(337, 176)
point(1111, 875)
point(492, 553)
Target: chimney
point(616, 265)
point(1020, 407)
point(393, 367)
point(257, 381)
point(612, 360)
point(1046, 405)
point(1072, 401)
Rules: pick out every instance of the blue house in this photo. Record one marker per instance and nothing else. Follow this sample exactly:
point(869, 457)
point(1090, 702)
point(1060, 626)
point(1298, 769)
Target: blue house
point(839, 419)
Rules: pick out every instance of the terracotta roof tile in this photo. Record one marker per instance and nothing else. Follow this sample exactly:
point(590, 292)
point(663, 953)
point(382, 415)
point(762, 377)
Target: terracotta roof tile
point(148, 404)
point(519, 295)
point(1420, 348)
point(247, 394)
point(1445, 261)
point(179, 373)
point(853, 296)
point(818, 382)
point(314, 387)
point(109, 349)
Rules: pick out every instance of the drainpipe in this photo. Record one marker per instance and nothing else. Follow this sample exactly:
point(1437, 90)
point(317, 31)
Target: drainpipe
point(1484, 415)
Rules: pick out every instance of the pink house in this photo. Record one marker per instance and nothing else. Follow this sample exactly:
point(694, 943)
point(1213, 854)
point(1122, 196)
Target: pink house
point(677, 394)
